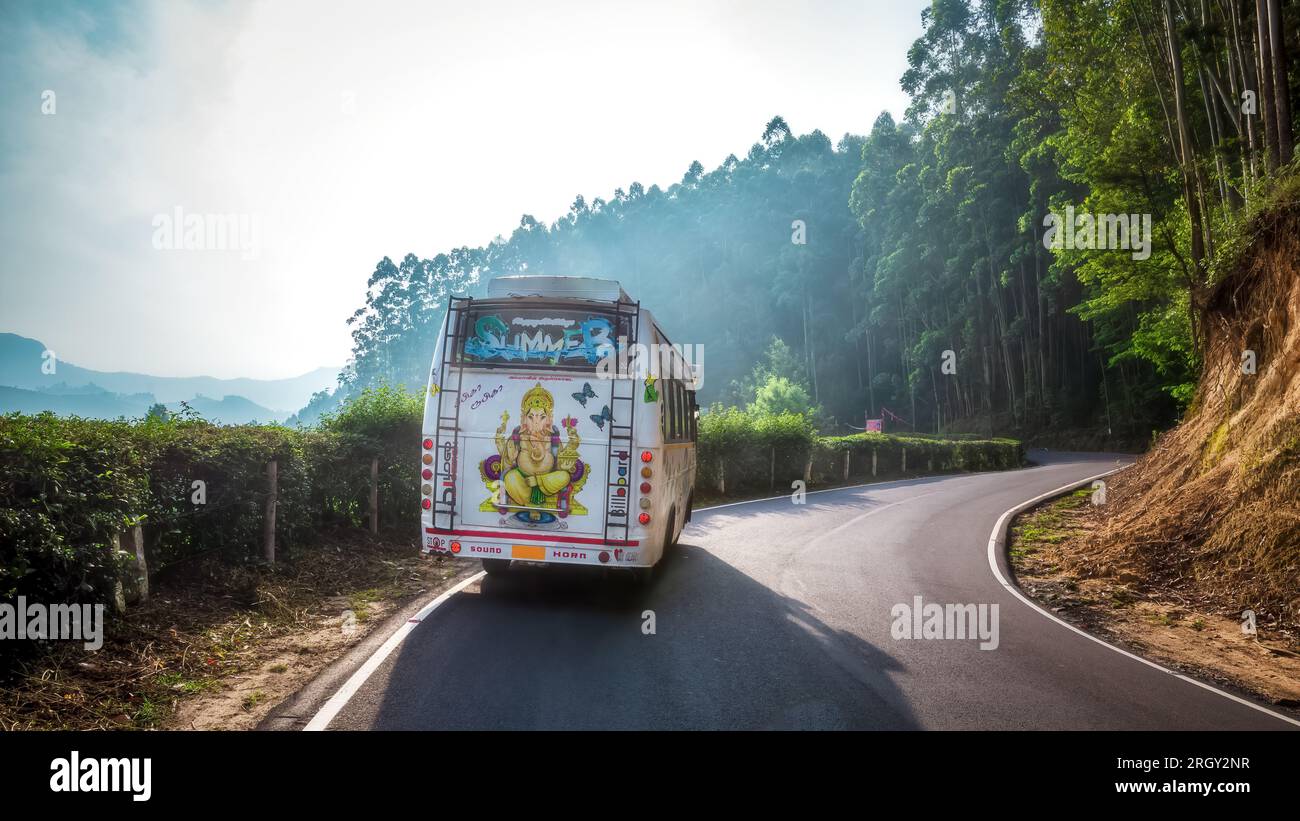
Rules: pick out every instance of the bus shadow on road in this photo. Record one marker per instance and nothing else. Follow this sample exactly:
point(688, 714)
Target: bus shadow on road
point(704, 646)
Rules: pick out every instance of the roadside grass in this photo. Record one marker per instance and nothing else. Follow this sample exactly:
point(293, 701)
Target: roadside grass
point(1048, 525)
point(1052, 563)
point(199, 633)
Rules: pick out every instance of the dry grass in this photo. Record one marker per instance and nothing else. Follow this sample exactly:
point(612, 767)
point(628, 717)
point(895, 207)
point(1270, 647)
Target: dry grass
point(1212, 514)
point(202, 636)
point(1169, 622)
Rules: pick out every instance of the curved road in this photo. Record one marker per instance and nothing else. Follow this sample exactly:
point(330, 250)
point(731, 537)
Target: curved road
point(771, 615)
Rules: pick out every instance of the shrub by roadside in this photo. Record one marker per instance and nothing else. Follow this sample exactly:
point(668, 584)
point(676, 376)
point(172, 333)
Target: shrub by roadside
point(742, 452)
point(198, 489)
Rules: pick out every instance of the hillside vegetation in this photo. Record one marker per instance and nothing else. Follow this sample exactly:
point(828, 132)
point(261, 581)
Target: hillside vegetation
point(872, 256)
point(1213, 511)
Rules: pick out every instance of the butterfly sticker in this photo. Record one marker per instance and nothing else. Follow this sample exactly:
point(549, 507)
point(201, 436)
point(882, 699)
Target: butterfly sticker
point(601, 418)
point(584, 394)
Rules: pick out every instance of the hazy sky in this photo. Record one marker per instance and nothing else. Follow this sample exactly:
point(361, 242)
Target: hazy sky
point(344, 132)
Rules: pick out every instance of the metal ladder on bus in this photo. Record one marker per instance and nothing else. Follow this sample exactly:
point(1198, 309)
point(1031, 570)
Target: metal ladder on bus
point(619, 451)
point(445, 441)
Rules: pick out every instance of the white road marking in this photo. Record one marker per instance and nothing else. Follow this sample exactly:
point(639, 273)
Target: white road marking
point(339, 700)
point(997, 544)
point(872, 512)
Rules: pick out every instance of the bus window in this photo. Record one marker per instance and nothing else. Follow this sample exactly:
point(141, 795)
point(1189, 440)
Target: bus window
point(671, 411)
point(683, 411)
point(549, 335)
point(663, 410)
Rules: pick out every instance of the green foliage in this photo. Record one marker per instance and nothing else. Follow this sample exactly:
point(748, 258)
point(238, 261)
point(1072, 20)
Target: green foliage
point(382, 422)
point(230, 461)
point(71, 484)
point(927, 235)
point(779, 360)
point(754, 451)
point(725, 231)
point(779, 395)
point(67, 486)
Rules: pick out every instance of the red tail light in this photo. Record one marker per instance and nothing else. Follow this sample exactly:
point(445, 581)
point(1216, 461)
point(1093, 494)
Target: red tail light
point(644, 518)
point(428, 444)
point(455, 547)
point(645, 486)
point(426, 473)
point(426, 504)
point(647, 456)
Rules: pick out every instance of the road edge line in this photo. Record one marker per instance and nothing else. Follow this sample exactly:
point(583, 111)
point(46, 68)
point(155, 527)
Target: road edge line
point(343, 695)
point(997, 546)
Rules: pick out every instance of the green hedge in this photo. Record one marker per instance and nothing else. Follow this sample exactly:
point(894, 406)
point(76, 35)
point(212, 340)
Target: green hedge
point(754, 453)
point(68, 485)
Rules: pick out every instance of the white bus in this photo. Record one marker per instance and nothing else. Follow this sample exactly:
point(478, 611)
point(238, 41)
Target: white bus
point(549, 434)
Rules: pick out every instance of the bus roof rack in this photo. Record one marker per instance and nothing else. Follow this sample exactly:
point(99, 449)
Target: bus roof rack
point(596, 290)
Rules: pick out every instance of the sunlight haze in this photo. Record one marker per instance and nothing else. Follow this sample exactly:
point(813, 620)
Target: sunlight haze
point(350, 132)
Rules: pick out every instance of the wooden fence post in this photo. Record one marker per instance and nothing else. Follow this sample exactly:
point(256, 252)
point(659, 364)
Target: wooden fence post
point(873, 463)
point(848, 456)
point(807, 470)
point(905, 460)
point(136, 587)
point(374, 495)
point(773, 470)
point(268, 524)
point(722, 477)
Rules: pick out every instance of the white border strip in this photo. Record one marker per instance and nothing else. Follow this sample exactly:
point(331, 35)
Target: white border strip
point(340, 699)
point(997, 545)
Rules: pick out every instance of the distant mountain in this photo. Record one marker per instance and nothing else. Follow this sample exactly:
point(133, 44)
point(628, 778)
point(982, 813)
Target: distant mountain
point(230, 410)
point(99, 405)
point(95, 403)
point(21, 361)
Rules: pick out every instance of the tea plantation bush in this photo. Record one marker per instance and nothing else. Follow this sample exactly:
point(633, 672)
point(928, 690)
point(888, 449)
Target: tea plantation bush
point(68, 485)
point(749, 452)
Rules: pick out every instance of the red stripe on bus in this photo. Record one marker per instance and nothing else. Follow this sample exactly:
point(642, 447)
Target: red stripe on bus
point(535, 537)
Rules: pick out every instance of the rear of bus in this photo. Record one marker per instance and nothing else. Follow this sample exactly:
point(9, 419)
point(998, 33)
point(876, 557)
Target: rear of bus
point(527, 453)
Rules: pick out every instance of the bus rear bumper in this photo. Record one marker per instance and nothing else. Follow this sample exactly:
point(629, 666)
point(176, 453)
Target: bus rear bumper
point(627, 555)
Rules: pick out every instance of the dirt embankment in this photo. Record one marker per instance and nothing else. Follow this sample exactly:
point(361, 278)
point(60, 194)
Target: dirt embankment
point(1154, 621)
point(1210, 517)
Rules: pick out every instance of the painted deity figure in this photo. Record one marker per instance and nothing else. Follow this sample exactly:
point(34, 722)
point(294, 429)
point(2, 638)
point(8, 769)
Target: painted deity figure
point(535, 471)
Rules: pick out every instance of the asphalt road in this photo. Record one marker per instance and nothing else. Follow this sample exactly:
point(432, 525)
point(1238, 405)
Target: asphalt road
point(771, 615)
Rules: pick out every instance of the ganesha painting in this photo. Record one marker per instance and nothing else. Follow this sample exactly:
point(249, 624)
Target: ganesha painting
point(532, 473)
